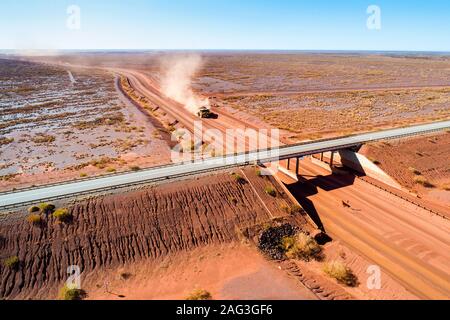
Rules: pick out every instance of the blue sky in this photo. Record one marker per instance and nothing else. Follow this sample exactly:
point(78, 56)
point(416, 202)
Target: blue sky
point(226, 24)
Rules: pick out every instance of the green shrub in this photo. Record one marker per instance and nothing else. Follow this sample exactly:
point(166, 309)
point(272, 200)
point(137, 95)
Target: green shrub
point(5, 141)
point(83, 175)
point(199, 294)
point(34, 219)
point(375, 161)
point(67, 293)
point(238, 178)
point(101, 163)
point(233, 200)
point(135, 168)
point(341, 273)
point(110, 170)
point(423, 181)
point(125, 275)
point(12, 262)
point(62, 214)
point(290, 209)
point(301, 246)
point(34, 209)
point(47, 208)
point(285, 208)
point(270, 191)
point(41, 138)
point(296, 209)
point(414, 171)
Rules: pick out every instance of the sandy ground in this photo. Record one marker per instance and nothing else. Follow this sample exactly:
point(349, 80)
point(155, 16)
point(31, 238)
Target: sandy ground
point(85, 132)
point(335, 113)
point(228, 272)
point(406, 160)
point(240, 71)
point(390, 289)
point(407, 242)
point(309, 95)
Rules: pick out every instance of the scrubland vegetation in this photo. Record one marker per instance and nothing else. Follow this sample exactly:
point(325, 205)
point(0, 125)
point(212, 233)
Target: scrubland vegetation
point(63, 127)
point(343, 113)
point(5, 141)
point(37, 213)
point(339, 271)
point(301, 246)
point(313, 96)
point(199, 294)
point(270, 190)
point(67, 293)
point(12, 262)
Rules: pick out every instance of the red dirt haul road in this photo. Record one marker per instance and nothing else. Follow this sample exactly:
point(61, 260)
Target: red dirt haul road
point(408, 242)
point(149, 88)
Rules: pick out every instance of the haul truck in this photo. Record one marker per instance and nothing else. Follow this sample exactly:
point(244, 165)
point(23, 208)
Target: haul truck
point(205, 113)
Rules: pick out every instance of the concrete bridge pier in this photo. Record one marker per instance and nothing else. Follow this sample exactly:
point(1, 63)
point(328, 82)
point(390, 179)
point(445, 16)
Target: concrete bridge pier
point(297, 164)
point(322, 157)
point(288, 169)
point(332, 159)
point(350, 158)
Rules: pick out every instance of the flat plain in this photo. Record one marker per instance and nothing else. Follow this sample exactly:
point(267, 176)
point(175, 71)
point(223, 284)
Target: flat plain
point(80, 115)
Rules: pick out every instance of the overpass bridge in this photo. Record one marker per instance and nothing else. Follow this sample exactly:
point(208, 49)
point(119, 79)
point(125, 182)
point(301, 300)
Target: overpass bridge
point(23, 197)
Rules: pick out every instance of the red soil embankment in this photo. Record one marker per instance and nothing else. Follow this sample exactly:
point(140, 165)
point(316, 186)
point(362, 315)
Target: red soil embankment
point(114, 230)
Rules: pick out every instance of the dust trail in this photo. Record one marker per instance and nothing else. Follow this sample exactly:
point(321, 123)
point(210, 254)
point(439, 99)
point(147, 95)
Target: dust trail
point(35, 52)
point(177, 73)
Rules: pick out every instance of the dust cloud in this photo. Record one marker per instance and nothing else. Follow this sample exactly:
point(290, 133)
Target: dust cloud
point(176, 82)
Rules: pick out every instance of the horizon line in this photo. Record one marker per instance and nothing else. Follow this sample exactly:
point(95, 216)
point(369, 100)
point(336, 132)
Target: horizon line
point(230, 50)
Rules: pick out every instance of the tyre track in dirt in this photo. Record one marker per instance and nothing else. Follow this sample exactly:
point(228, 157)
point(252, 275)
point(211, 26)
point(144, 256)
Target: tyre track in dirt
point(149, 88)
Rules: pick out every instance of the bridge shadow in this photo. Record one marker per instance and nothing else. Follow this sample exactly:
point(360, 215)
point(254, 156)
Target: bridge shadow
point(307, 187)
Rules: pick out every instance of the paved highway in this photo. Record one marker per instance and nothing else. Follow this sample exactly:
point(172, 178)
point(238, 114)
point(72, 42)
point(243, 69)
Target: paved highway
point(65, 190)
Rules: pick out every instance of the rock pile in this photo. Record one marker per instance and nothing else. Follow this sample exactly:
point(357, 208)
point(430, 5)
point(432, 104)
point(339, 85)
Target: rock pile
point(270, 240)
